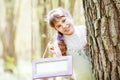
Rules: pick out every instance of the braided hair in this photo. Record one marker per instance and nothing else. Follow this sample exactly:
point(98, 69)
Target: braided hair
point(61, 44)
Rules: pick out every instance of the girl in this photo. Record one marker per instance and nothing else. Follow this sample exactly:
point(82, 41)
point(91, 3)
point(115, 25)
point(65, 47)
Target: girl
point(71, 41)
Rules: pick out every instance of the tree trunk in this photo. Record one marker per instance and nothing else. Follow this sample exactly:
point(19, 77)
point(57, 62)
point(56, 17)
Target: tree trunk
point(42, 26)
point(8, 37)
point(103, 36)
point(72, 6)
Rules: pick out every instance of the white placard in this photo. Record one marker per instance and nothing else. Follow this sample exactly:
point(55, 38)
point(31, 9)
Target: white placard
point(52, 67)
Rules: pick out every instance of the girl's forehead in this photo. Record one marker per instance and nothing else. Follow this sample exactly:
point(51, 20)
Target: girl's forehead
point(56, 16)
point(59, 19)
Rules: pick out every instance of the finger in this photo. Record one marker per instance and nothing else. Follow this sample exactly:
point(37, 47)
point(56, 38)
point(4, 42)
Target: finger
point(51, 48)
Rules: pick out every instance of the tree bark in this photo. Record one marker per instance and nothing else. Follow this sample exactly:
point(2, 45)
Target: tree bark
point(43, 27)
point(103, 35)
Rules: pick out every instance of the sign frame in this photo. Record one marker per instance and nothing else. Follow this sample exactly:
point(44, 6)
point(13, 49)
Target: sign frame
point(42, 60)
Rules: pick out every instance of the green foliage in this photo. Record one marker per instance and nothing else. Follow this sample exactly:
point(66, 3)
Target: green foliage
point(9, 64)
point(43, 36)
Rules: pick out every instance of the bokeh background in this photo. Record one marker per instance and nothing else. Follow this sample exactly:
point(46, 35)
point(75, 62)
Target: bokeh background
point(24, 33)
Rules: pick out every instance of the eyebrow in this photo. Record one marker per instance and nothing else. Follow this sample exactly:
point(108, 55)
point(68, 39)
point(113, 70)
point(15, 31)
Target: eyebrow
point(60, 18)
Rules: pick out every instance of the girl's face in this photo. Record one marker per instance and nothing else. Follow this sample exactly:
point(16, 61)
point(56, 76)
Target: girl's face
point(64, 25)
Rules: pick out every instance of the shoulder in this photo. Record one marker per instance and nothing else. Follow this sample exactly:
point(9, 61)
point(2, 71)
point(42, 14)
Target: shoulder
point(81, 29)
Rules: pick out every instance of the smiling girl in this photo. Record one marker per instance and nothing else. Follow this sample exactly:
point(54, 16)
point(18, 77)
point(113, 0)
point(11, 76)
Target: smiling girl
point(71, 41)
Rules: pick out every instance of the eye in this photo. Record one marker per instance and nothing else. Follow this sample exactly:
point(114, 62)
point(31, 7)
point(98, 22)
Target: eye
point(63, 20)
point(58, 26)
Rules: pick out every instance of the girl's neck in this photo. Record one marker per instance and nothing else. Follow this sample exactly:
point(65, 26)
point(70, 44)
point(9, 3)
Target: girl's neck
point(74, 32)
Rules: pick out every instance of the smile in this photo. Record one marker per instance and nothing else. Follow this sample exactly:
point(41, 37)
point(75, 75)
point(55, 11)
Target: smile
point(67, 28)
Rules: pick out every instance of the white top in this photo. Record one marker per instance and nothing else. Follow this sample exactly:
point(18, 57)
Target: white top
point(75, 46)
point(77, 40)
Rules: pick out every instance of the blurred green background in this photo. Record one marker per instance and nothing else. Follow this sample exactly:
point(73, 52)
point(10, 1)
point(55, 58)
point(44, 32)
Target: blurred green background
point(24, 33)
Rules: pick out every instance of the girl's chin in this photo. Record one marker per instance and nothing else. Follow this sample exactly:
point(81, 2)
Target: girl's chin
point(70, 32)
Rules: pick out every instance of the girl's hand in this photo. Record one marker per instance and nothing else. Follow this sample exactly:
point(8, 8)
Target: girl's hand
point(53, 47)
point(86, 46)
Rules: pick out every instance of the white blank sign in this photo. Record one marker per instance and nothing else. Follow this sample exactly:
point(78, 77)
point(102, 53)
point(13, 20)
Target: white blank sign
point(52, 67)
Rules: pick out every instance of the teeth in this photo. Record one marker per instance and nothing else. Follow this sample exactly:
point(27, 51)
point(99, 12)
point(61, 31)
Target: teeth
point(68, 26)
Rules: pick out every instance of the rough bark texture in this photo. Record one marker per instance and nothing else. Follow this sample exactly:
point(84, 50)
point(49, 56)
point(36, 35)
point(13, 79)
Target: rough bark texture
point(103, 34)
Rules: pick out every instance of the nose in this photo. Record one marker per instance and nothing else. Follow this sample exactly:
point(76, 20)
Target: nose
point(63, 25)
